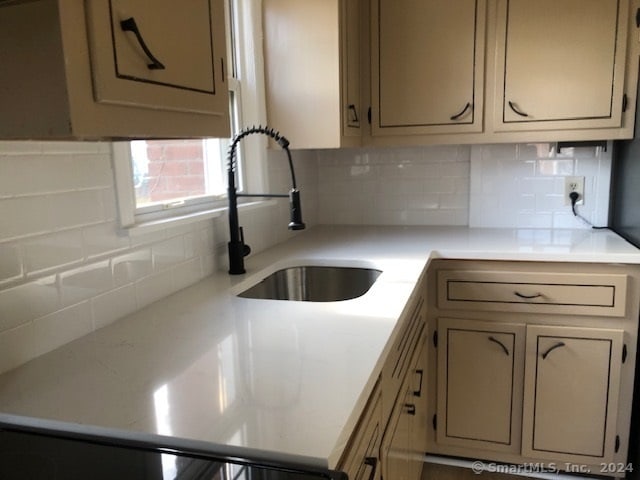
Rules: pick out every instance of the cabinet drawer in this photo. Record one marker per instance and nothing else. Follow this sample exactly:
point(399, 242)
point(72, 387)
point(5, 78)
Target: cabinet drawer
point(361, 459)
point(565, 293)
point(398, 362)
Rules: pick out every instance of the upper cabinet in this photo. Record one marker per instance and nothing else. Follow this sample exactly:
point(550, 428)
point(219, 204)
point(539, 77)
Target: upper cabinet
point(489, 71)
point(313, 71)
point(560, 64)
point(114, 68)
point(428, 66)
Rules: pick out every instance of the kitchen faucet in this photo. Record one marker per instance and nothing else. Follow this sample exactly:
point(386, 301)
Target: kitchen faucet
point(237, 248)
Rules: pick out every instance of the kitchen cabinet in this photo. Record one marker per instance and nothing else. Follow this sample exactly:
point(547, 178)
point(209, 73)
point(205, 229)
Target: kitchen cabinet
point(390, 439)
point(480, 371)
point(532, 362)
point(571, 393)
point(561, 64)
point(312, 68)
point(502, 71)
point(428, 66)
point(361, 461)
point(404, 443)
point(114, 69)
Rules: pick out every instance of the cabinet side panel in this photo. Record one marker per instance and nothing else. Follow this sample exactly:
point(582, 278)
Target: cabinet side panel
point(302, 71)
point(33, 95)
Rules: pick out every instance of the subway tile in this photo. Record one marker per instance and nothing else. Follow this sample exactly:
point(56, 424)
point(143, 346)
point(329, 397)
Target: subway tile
point(186, 274)
point(54, 250)
point(25, 216)
point(104, 238)
point(17, 346)
point(113, 305)
point(168, 253)
point(131, 267)
point(153, 288)
point(71, 209)
point(85, 282)
point(10, 262)
point(11, 147)
point(53, 331)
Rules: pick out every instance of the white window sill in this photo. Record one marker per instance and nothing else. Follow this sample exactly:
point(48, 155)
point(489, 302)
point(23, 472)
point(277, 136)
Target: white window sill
point(142, 228)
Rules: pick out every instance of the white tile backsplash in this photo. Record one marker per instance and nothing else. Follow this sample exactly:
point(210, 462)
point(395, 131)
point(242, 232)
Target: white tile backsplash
point(66, 268)
point(394, 186)
point(522, 186)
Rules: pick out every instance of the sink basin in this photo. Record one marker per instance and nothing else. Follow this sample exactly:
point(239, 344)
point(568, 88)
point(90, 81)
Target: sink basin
point(314, 284)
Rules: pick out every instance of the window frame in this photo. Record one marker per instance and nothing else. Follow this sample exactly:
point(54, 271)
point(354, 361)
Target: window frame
point(246, 88)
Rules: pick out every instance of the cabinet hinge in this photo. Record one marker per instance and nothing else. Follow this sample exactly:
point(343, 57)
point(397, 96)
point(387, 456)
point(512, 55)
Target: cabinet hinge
point(624, 352)
point(434, 422)
point(435, 338)
point(223, 74)
point(369, 115)
point(625, 101)
point(617, 443)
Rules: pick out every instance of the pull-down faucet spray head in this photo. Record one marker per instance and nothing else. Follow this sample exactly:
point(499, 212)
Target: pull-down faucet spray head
point(237, 248)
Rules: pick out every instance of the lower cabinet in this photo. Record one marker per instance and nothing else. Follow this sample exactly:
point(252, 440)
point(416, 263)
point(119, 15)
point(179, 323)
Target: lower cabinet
point(531, 363)
point(362, 460)
point(390, 440)
point(480, 370)
point(572, 383)
point(404, 441)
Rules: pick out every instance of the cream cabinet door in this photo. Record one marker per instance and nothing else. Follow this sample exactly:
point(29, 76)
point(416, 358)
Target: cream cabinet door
point(427, 66)
point(480, 370)
point(560, 64)
point(159, 54)
point(572, 382)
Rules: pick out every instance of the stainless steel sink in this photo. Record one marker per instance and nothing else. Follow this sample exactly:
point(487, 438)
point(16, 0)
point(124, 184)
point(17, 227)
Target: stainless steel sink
point(314, 284)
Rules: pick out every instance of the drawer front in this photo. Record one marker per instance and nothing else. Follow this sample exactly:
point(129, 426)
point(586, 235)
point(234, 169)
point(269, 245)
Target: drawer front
point(361, 461)
point(397, 365)
point(564, 293)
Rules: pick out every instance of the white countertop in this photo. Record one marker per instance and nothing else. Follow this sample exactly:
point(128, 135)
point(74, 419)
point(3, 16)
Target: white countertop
point(280, 378)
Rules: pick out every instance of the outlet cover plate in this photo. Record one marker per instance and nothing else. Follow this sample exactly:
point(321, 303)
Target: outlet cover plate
point(573, 184)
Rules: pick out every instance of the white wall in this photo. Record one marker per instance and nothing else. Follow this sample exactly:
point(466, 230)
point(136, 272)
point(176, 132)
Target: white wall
point(66, 269)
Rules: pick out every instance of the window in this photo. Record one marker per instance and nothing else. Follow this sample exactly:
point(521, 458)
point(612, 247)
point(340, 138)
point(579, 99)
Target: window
point(186, 178)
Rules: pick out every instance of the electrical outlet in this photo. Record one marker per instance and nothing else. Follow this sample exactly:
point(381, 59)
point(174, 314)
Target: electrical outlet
point(574, 184)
